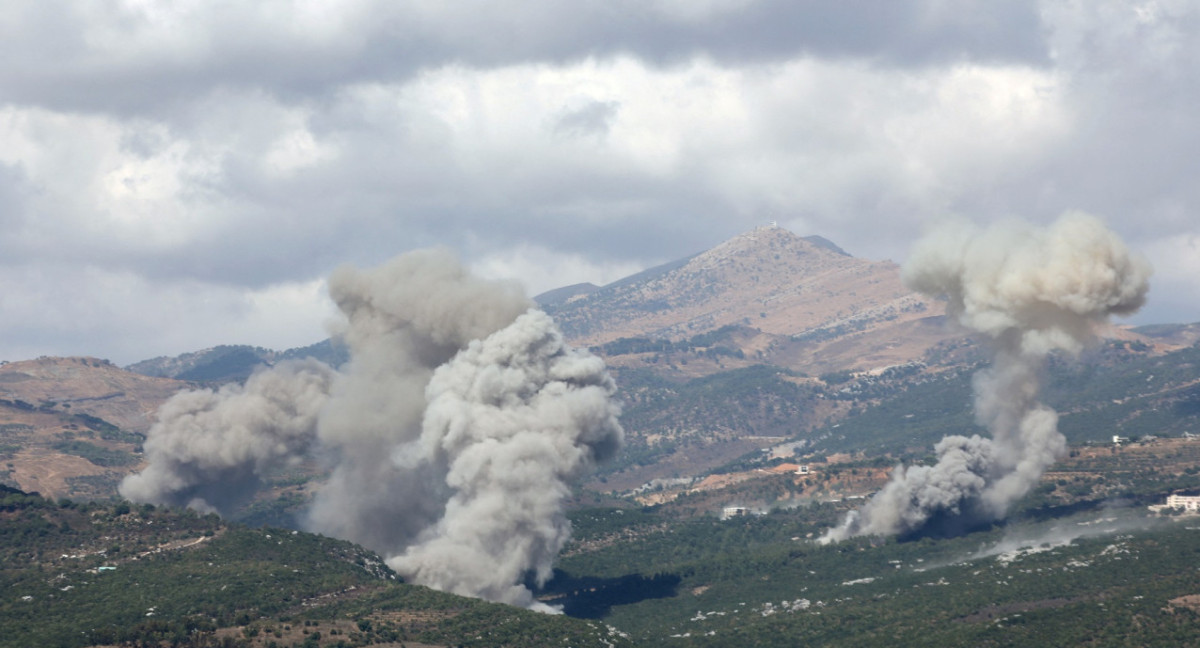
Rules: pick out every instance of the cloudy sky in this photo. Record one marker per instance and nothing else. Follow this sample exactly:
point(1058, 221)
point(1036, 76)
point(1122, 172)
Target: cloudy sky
point(175, 175)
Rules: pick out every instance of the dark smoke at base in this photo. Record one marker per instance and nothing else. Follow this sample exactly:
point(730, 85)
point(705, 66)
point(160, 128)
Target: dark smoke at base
point(452, 435)
point(1028, 292)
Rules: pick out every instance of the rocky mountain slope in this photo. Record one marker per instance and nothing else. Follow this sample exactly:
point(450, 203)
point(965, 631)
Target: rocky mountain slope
point(74, 426)
point(86, 386)
point(812, 306)
point(768, 278)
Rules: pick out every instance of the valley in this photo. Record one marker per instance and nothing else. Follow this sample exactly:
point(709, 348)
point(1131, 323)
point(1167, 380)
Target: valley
point(767, 387)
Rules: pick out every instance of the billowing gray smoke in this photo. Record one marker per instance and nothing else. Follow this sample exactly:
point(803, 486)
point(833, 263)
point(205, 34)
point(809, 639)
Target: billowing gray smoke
point(515, 417)
point(452, 434)
point(1027, 292)
point(403, 320)
point(209, 448)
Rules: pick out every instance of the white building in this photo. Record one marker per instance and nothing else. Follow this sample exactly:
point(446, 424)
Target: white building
point(1185, 502)
point(733, 511)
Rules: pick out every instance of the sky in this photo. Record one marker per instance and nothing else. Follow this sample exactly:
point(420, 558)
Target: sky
point(177, 175)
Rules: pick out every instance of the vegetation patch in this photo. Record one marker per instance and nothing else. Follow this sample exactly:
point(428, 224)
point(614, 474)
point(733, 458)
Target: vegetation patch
point(96, 454)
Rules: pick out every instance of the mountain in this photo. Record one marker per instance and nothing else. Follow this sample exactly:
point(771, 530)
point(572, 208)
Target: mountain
point(768, 278)
point(83, 385)
point(74, 426)
point(226, 363)
point(560, 296)
point(801, 302)
point(1180, 335)
point(773, 340)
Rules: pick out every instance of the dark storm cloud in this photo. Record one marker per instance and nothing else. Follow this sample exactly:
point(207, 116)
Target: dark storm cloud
point(108, 57)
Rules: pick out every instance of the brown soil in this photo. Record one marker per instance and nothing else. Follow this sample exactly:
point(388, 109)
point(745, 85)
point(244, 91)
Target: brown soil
point(1190, 602)
point(45, 471)
point(89, 386)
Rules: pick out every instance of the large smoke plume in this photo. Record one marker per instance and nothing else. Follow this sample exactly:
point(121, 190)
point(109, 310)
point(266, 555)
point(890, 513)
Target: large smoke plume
point(452, 434)
point(1027, 292)
point(515, 418)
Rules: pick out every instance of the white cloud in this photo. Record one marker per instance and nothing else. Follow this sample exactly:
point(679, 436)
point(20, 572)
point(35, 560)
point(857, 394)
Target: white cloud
point(539, 269)
point(56, 310)
point(195, 156)
point(95, 194)
point(1176, 261)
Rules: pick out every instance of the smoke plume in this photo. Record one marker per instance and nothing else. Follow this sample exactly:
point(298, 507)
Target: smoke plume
point(515, 418)
point(209, 448)
point(452, 435)
point(402, 321)
point(1027, 292)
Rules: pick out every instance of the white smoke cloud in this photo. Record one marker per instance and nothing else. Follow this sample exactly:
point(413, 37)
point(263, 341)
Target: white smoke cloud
point(1028, 292)
point(209, 448)
point(403, 320)
point(515, 418)
point(453, 434)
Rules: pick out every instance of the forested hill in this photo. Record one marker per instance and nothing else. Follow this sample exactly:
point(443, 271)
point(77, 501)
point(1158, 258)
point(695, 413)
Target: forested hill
point(75, 574)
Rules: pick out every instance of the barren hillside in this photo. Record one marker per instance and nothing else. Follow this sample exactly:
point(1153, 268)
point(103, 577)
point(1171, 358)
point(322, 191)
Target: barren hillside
point(89, 386)
point(815, 307)
point(768, 278)
point(74, 426)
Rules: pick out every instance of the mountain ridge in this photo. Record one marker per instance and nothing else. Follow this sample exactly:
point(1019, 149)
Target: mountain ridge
point(801, 310)
point(804, 295)
point(743, 276)
point(227, 362)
